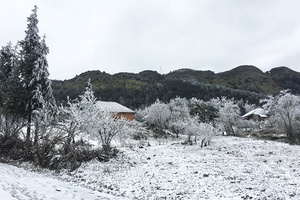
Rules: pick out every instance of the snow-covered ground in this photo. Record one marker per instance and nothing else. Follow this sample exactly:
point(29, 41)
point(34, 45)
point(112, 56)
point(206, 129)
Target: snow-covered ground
point(20, 184)
point(230, 168)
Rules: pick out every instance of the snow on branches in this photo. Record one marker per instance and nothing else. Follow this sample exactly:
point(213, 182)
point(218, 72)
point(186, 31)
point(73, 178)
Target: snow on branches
point(284, 110)
point(175, 117)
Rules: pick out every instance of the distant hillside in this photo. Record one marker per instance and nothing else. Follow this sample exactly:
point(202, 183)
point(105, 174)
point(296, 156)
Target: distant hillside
point(286, 78)
point(142, 89)
point(249, 78)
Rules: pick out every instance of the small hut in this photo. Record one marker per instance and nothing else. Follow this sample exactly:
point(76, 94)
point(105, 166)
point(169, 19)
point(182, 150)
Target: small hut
point(116, 109)
point(257, 114)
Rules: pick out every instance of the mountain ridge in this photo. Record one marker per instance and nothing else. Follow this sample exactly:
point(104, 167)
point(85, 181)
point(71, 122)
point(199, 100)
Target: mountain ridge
point(143, 88)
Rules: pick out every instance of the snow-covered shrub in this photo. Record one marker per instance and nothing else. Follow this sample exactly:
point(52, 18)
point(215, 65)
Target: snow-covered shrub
point(140, 114)
point(106, 128)
point(190, 129)
point(79, 116)
point(179, 111)
point(175, 118)
point(11, 142)
point(10, 126)
point(134, 130)
point(229, 113)
point(245, 126)
point(46, 134)
point(207, 131)
point(198, 131)
point(80, 152)
point(284, 110)
point(158, 115)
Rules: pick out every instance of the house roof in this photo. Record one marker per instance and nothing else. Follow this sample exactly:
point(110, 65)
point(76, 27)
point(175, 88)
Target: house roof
point(258, 111)
point(112, 107)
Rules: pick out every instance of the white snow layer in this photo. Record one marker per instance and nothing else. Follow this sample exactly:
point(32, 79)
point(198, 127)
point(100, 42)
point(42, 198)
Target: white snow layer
point(231, 168)
point(112, 107)
point(17, 183)
point(258, 111)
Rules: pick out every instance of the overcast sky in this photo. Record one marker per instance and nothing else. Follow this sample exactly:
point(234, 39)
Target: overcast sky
point(163, 35)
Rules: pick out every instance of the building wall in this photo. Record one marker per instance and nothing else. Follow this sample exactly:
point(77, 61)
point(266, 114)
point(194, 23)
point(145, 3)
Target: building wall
point(127, 116)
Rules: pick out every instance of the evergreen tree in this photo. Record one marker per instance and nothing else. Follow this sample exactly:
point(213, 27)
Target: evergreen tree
point(7, 58)
point(34, 71)
point(10, 88)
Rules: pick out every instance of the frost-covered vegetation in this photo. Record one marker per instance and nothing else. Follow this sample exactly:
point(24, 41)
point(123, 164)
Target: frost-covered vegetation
point(176, 119)
point(34, 128)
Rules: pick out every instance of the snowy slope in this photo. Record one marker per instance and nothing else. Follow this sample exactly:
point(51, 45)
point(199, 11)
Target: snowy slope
point(231, 168)
point(17, 183)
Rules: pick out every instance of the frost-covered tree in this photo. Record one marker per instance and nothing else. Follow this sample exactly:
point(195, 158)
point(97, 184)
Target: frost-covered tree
point(284, 110)
point(46, 134)
point(229, 113)
point(44, 108)
point(7, 57)
point(190, 127)
point(33, 69)
point(197, 131)
point(207, 131)
point(175, 117)
point(80, 115)
point(10, 121)
point(158, 115)
point(84, 116)
point(8, 63)
point(107, 128)
point(204, 110)
point(179, 111)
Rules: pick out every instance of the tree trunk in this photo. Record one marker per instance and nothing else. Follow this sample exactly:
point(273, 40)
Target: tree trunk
point(290, 134)
point(36, 131)
point(29, 119)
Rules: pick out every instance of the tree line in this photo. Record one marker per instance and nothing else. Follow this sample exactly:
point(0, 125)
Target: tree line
point(143, 89)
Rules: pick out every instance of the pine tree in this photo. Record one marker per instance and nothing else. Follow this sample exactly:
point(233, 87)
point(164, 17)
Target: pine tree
point(7, 57)
point(34, 71)
point(10, 89)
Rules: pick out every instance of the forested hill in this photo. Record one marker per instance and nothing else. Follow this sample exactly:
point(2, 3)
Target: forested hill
point(142, 89)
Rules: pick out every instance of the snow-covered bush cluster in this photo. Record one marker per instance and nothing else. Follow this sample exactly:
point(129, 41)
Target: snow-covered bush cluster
point(284, 111)
point(199, 120)
point(176, 118)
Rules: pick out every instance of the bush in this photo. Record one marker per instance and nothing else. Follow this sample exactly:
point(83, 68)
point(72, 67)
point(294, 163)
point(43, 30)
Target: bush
point(72, 159)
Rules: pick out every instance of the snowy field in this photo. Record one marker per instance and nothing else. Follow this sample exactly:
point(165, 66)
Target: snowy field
point(20, 184)
point(231, 168)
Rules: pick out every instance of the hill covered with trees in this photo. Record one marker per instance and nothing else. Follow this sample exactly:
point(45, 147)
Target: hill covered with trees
point(142, 89)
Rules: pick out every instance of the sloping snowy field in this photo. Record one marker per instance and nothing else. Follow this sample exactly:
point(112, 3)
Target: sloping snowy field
point(230, 168)
point(19, 184)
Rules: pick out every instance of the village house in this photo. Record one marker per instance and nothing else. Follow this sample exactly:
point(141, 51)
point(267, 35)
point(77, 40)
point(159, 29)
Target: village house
point(257, 114)
point(116, 109)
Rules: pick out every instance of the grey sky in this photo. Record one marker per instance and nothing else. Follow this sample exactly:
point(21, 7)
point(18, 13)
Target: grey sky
point(135, 35)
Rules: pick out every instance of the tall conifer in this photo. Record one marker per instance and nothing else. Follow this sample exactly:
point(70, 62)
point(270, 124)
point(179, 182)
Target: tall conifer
point(34, 70)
